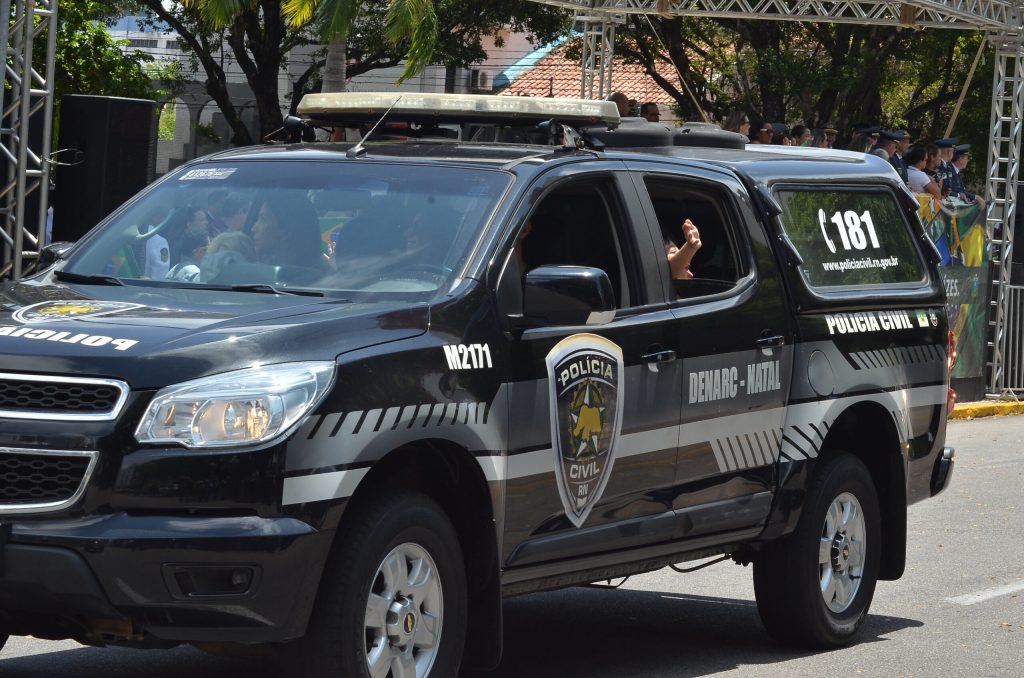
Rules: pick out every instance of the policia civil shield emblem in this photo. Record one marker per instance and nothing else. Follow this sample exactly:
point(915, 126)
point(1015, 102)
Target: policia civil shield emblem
point(585, 390)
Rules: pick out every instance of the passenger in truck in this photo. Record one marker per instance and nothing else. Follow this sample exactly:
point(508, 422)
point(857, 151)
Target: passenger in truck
point(681, 256)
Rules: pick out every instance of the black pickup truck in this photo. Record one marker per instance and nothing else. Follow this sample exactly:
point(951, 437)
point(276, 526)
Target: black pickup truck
point(413, 377)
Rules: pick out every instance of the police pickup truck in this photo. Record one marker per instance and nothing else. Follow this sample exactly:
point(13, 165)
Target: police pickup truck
point(400, 380)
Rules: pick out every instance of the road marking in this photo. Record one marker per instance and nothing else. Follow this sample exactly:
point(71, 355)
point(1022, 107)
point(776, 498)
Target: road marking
point(987, 594)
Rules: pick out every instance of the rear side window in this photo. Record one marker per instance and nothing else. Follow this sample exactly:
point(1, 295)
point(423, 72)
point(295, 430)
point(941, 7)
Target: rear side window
point(850, 237)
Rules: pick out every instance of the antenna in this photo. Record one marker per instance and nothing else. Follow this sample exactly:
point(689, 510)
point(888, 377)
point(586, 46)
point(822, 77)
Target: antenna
point(358, 150)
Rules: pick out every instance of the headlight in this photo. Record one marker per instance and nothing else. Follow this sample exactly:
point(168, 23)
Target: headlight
point(235, 408)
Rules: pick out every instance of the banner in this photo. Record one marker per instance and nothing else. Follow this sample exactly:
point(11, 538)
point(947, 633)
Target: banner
point(958, 231)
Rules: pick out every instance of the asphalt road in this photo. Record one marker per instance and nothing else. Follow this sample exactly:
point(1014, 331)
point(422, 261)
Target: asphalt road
point(959, 610)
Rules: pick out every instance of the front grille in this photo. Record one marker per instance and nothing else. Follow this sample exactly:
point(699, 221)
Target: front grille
point(60, 398)
point(37, 480)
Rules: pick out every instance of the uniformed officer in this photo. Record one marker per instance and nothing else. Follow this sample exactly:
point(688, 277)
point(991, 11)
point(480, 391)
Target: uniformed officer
point(961, 156)
point(896, 157)
point(942, 175)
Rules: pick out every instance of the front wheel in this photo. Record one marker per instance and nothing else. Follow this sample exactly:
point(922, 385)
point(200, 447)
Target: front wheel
point(814, 587)
point(392, 603)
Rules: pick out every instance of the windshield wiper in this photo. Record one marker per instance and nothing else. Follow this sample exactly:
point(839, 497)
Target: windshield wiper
point(263, 288)
point(96, 279)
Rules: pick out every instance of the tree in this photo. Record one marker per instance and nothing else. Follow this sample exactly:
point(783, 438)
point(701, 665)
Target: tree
point(816, 73)
point(87, 60)
point(259, 40)
point(414, 21)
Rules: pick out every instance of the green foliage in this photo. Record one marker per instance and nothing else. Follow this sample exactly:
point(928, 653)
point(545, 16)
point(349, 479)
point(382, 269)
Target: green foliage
point(817, 74)
point(89, 61)
point(165, 126)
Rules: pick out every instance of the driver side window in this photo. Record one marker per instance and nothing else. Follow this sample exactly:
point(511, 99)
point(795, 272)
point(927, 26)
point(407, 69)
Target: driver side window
point(581, 223)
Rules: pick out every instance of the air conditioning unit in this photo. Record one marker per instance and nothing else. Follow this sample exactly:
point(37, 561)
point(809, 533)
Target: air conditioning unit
point(479, 79)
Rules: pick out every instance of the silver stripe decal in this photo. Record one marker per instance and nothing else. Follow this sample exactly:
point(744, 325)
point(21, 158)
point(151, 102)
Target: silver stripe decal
point(321, 486)
point(716, 446)
point(719, 433)
point(390, 417)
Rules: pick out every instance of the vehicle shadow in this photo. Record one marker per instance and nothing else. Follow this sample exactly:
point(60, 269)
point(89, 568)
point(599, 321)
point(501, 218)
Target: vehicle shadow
point(612, 634)
point(573, 632)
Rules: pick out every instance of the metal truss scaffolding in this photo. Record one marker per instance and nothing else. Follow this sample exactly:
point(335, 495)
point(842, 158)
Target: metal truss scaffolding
point(1003, 175)
point(598, 50)
point(1003, 20)
point(29, 99)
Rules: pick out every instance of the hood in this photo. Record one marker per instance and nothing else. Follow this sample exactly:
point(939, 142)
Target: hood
point(155, 336)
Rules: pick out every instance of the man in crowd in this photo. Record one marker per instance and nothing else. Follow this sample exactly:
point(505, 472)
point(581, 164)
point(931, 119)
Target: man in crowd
point(961, 156)
point(946, 148)
point(888, 142)
point(896, 158)
point(650, 112)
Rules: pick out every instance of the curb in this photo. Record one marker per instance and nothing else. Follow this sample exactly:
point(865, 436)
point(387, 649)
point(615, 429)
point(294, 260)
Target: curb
point(985, 409)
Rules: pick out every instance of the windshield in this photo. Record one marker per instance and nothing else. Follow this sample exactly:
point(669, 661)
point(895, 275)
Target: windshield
point(357, 228)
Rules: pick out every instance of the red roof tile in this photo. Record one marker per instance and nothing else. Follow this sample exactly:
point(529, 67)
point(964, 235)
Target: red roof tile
point(554, 75)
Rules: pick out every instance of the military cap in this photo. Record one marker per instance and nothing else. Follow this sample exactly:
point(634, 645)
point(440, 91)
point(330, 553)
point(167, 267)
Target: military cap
point(948, 142)
point(889, 135)
point(961, 149)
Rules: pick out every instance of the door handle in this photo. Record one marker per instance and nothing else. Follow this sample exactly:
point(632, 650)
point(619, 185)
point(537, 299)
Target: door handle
point(771, 341)
point(659, 357)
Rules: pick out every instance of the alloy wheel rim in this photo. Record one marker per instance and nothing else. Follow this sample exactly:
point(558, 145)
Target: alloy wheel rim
point(404, 614)
point(841, 552)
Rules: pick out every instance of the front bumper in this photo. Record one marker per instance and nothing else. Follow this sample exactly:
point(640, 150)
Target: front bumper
point(121, 579)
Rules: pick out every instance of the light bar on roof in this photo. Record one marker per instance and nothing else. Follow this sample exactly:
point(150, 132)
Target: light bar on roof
point(417, 106)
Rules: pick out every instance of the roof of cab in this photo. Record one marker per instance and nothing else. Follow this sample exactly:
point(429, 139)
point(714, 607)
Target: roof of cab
point(762, 163)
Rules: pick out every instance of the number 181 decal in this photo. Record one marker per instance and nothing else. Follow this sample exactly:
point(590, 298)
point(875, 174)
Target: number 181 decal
point(851, 227)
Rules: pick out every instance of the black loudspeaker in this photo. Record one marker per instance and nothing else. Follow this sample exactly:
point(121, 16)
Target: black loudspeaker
point(107, 154)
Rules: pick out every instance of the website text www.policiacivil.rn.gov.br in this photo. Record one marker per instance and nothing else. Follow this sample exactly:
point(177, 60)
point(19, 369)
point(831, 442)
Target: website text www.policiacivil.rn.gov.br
point(854, 264)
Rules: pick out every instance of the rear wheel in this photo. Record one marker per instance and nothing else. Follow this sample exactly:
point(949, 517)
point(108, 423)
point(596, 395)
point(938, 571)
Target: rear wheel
point(393, 601)
point(814, 587)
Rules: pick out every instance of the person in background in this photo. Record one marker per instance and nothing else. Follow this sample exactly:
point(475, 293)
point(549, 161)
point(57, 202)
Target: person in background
point(801, 135)
point(622, 103)
point(896, 157)
point(214, 203)
point(886, 142)
point(764, 134)
point(737, 122)
point(961, 156)
point(864, 140)
point(831, 133)
point(649, 111)
point(917, 178)
point(946, 147)
point(156, 252)
point(234, 212)
point(818, 139)
point(192, 245)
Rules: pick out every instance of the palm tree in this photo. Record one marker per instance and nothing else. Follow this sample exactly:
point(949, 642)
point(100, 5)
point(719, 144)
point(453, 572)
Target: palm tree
point(412, 20)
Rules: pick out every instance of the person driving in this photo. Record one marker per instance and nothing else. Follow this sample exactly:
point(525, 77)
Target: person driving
point(287, 233)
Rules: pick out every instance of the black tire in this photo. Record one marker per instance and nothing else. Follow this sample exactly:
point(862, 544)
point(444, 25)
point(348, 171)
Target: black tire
point(338, 641)
point(788, 579)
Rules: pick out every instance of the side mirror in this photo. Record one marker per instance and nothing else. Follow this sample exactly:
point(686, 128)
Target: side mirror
point(52, 253)
point(568, 295)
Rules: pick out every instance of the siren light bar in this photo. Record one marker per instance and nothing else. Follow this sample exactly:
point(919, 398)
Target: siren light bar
point(454, 108)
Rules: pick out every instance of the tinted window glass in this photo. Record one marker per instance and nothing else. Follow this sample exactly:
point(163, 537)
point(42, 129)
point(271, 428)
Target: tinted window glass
point(361, 228)
point(716, 267)
point(850, 237)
